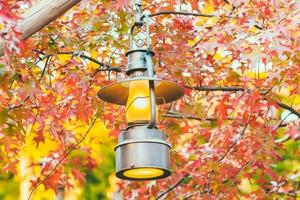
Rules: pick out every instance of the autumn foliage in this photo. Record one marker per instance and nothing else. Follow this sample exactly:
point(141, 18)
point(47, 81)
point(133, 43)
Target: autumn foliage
point(235, 134)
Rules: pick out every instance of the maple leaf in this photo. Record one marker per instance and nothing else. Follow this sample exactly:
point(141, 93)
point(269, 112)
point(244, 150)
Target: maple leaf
point(39, 138)
point(121, 3)
point(91, 163)
point(11, 166)
point(195, 5)
point(40, 135)
point(114, 133)
point(294, 130)
point(8, 143)
point(78, 175)
point(221, 112)
point(35, 182)
point(53, 181)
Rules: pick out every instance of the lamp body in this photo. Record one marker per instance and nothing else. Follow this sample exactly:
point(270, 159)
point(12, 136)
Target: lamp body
point(142, 154)
point(138, 106)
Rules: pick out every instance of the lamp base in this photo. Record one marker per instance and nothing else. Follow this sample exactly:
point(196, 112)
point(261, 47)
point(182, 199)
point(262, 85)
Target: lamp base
point(142, 154)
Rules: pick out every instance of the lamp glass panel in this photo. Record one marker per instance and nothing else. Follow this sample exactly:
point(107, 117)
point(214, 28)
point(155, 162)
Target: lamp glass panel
point(143, 173)
point(138, 106)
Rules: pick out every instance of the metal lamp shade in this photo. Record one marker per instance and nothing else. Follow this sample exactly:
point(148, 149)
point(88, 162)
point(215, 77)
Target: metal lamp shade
point(165, 91)
point(142, 151)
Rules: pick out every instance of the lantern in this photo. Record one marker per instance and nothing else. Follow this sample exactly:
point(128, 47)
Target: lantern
point(142, 152)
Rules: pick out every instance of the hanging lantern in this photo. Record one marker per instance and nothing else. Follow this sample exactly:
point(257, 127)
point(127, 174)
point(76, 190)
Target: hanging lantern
point(142, 152)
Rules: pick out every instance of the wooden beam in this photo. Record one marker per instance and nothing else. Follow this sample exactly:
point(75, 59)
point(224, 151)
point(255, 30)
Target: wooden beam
point(40, 15)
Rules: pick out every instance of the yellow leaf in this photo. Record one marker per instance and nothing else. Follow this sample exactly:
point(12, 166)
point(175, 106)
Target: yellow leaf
point(64, 58)
point(97, 134)
point(260, 75)
point(221, 54)
point(208, 8)
point(218, 56)
point(200, 21)
point(292, 100)
point(254, 29)
point(246, 186)
point(93, 65)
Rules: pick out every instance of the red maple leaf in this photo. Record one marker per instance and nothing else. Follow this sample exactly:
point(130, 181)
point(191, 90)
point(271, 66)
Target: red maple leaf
point(114, 133)
point(80, 176)
point(39, 135)
point(121, 3)
point(39, 138)
point(52, 181)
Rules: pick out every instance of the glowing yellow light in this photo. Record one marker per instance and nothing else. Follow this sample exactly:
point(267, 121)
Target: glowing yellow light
point(143, 173)
point(138, 106)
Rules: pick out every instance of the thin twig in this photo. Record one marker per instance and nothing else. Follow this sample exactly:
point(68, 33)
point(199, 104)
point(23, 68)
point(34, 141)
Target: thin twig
point(112, 54)
point(45, 66)
point(281, 122)
point(48, 57)
point(33, 123)
point(64, 157)
point(165, 115)
point(191, 195)
point(236, 141)
point(246, 165)
point(172, 187)
point(20, 105)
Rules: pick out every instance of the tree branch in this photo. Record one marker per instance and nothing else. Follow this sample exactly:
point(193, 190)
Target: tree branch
point(177, 115)
point(212, 89)
point(64, 157)
point(172, 114)
point(236, 89)
point(107, 66)
point(179, 13)
point(227, 2)
point(291, 109)
point(282, 140)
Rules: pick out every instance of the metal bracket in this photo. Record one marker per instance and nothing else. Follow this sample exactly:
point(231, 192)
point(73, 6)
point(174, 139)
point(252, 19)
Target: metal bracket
point(150, 70)
point(147, 32)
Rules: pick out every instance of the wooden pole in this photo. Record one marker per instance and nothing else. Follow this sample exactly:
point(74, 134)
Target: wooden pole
point(60, 193)
point(40, 15)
